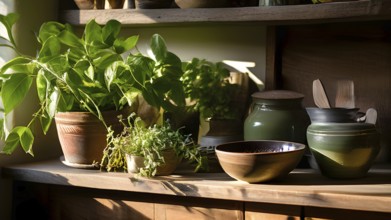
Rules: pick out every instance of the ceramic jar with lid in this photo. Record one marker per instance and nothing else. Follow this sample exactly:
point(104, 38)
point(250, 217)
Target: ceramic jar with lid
point(277, 115)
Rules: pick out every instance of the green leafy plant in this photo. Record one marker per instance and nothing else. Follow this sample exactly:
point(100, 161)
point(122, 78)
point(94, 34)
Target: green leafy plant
point(208, 88)
point(150, 142)
point(95, 72)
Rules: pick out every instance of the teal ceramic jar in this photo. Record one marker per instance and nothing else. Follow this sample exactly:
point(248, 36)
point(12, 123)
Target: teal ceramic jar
point(343, 150)
point(277, 115)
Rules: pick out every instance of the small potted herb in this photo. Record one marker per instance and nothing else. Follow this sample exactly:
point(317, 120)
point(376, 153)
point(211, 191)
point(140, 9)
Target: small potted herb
point(155, 150)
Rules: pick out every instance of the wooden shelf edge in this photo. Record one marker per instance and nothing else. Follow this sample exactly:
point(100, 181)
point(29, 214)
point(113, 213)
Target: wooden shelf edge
point(290, 14)
point(303, 187)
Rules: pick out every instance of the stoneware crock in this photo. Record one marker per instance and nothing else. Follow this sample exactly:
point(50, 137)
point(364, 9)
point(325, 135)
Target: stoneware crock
point(343, 150)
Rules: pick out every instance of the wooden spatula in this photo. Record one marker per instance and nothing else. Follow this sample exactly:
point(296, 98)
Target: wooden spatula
point(345, 94)
point(320, 97)
point(371, 116)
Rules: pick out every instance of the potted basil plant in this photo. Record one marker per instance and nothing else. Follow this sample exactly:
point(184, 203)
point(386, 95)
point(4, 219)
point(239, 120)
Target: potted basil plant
point(88, 75)
point(210, 91)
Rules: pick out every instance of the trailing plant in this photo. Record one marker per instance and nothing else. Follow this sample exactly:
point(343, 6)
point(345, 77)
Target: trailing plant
point(150, 142)
point(95, 72)
point(207, 86)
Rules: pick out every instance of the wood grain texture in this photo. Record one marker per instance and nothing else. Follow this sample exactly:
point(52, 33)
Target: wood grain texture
point(198, 210)
point(301, 187)
point(74, 206)
point(263, 211)
point(291, 14)
point(82, 203)
point(314, 213)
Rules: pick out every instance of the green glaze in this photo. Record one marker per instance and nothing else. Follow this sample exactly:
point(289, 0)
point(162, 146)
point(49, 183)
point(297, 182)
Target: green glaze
point(343, 150)
point(277, 115)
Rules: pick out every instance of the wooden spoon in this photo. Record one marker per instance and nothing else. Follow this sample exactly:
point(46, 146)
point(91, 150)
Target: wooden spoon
point(320, 97)
point(371, 116)
point(345, 94)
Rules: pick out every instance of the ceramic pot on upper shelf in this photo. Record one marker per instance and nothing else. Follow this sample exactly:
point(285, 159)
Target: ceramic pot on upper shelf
point(277, 115)
point(90, 4)
point(116, 4)
point(153, 4)
point(202, 3)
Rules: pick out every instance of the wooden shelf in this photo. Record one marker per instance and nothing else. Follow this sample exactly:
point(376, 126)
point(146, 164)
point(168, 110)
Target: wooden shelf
point(279, 15)
point(303, 187)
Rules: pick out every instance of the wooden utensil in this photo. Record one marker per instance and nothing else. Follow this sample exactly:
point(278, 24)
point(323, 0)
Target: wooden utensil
point(320, 97)
point(371, 116)
point(345, 94)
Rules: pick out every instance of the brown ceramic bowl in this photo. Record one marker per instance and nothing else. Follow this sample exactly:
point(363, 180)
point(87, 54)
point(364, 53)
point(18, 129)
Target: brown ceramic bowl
point(259, 160)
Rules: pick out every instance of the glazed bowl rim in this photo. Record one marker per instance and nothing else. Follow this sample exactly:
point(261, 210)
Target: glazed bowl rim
point(334, 128)
point(298, 147)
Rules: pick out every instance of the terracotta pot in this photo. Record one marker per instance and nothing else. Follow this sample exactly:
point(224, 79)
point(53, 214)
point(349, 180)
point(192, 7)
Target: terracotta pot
point(90, 4)
point(145, 4)
point(116, 4)
point(202, 3)
point(83, 136)
point(172, 161)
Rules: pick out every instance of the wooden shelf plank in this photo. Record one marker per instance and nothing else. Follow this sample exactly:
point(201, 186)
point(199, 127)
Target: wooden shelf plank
point(302, 187)
point(290, 14)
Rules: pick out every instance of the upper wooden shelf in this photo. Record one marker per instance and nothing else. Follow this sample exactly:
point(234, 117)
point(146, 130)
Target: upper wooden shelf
point(361, 10)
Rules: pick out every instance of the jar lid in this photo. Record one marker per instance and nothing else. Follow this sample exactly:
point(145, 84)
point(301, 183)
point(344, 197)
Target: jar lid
point(277, 94)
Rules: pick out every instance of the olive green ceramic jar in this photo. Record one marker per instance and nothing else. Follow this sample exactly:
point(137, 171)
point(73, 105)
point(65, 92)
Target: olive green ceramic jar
point(277, 115)
point(343, 150)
